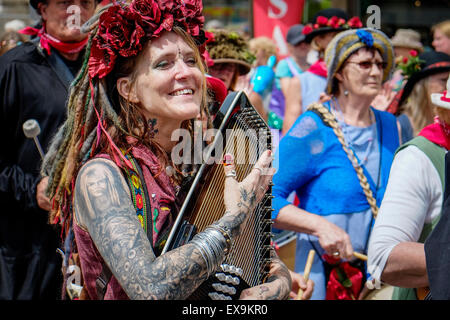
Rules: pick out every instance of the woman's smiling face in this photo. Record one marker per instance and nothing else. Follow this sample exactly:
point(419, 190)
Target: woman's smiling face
point(168, 83)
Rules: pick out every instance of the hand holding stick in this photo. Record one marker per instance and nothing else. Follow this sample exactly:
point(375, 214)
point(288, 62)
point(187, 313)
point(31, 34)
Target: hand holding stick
point(306, 272)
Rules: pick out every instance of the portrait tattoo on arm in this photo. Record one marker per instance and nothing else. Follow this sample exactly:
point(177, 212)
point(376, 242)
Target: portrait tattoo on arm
point(103, 206)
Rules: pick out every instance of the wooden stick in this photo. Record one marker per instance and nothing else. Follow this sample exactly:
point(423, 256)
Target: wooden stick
point(360, 256)
point(308, 266)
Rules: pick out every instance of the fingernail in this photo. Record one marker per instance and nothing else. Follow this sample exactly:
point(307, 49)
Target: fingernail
point(227, 159)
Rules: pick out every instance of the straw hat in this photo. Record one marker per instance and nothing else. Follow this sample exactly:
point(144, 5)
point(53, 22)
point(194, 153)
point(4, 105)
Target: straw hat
point(407, 38)
point(230, 47)
point(442, 99)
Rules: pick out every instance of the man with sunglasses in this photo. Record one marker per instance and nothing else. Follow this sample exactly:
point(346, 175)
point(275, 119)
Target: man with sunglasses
point(34, 82)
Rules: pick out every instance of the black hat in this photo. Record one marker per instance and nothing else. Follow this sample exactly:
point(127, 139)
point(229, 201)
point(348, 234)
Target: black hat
point(295, 34)
point(34, 3)
point(342, 22)
point(433, 62)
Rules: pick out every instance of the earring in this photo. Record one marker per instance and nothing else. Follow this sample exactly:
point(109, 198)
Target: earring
point(346, 93)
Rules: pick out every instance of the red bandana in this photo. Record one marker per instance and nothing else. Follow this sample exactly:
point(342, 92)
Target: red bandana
point(438, 133)
point(319, 68)
point(47, 40)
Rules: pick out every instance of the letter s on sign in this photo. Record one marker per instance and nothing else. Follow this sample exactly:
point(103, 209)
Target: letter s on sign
point(282, 7)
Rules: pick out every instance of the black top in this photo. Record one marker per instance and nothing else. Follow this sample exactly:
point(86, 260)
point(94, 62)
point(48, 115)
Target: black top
point(29, 89)
point(437, 247)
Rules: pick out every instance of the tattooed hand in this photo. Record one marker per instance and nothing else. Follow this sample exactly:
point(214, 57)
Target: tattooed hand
point(241, 198)
point(277, 286)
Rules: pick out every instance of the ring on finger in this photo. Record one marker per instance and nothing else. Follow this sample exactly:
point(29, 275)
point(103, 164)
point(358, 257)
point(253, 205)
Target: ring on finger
point(336, 253)
point(232, 173)
point(258, 168)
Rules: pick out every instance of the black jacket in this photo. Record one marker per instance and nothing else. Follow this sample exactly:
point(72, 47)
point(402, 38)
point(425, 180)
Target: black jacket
point(29, 89)
point(437, 247)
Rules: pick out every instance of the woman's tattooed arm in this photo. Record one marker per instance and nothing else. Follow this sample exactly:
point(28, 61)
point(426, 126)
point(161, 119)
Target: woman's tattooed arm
point(277, 286)
point(103, 206)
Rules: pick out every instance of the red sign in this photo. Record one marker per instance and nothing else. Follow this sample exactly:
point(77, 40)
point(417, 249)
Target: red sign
point(273, 18)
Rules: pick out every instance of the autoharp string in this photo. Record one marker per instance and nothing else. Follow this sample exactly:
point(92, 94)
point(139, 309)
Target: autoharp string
point(212, 208)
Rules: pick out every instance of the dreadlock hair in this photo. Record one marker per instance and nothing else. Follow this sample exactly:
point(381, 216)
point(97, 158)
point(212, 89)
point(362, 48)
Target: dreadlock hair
point(99, 121)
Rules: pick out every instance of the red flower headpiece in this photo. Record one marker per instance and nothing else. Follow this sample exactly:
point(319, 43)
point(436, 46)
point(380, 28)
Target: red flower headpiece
point(124, 29)
point(333, 22)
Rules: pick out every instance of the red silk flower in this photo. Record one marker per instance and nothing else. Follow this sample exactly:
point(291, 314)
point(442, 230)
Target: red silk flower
point(120, 33)
point(149, 12)
point(355, 22)
point(413, 53)
point(307, 29)
point(333, 22)
point(321, 21)
point(123, 30)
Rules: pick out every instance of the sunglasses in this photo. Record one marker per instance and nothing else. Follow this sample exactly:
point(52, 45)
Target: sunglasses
point(366, 65)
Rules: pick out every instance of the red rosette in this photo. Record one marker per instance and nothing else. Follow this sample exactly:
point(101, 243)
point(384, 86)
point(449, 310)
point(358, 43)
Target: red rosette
point(307, 29)
point(355, 22)
point(322, 21)
point(333, 22)
point(149, 11)
point(121, 31)
point(101, 61)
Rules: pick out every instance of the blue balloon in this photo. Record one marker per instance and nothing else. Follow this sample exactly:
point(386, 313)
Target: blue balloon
point(263, 78)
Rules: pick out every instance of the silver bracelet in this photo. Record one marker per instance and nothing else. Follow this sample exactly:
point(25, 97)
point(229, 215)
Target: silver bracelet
point(214, 244)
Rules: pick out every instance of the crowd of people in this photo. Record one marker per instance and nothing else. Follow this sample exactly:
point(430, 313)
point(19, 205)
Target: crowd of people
point(353, 111)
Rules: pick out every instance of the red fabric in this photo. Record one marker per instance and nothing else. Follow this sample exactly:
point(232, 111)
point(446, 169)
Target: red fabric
point(438, 133)
point(319, 68)
point(48, 41)
point(393, 106)
point(335, 285)
point(218, 87)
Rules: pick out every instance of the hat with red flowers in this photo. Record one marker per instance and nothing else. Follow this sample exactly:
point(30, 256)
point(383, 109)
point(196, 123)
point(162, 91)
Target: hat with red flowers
point(123, 29)
point(423, 65)
point(330, 20)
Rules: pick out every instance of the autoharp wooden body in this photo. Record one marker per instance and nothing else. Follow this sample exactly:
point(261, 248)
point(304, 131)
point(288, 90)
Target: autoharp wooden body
point(241, 131)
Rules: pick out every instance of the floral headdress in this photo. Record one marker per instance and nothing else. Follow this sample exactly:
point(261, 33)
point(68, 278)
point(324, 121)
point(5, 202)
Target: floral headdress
point(124, 29)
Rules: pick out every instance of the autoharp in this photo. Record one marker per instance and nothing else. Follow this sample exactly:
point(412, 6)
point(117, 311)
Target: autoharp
point(241, 131)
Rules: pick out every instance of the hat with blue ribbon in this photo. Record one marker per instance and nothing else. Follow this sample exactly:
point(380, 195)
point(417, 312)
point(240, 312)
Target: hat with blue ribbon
point(348, 42)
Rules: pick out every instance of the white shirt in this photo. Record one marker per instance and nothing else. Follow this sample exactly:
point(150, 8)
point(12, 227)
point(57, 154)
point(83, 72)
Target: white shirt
point(413, 198)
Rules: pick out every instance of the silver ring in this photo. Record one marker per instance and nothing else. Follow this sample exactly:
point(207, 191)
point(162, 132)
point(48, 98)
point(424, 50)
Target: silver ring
point(262, 188)
point(232, 173)
point(258, 168)
point(335, 254)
